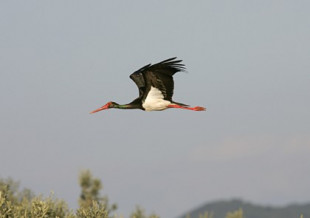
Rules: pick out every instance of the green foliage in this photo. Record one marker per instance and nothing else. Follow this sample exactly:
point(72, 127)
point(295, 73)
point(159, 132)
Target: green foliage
point(15, 203)
point(95, 210)
point(11, 188)
point(203, 215)
point(235, 214)
point(140, 213)
point(206, 215)
point(33, 208)
point(90, 200)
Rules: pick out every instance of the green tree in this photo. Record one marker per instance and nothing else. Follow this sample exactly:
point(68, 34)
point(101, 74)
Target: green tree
point(235, 214)
point(15, 203)
point(90, 194)
point(36, 207)
point(12, 192)
point(204, 215)
point(140, 213)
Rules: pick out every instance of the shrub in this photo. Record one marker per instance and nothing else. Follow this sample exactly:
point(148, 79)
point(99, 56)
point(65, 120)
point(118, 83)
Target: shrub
point(24, 204)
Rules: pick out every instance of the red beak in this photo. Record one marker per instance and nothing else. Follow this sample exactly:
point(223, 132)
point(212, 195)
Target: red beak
point(104, 107)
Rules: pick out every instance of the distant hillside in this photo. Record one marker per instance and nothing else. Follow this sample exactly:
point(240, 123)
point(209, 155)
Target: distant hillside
point(220, 209)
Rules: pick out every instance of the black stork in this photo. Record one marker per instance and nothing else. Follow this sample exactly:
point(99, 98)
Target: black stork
point(155, 84)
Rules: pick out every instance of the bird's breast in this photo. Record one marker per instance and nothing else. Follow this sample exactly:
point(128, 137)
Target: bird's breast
point(155, 101)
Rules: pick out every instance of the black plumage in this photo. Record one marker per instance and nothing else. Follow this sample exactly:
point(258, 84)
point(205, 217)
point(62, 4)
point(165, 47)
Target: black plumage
point(155, 84)
point(159, 76)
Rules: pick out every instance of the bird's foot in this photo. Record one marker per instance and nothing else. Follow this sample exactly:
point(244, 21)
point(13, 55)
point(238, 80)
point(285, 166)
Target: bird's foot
point(198, 108)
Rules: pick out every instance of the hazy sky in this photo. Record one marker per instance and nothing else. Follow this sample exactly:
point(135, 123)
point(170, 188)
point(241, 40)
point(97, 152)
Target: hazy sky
point(248, 62)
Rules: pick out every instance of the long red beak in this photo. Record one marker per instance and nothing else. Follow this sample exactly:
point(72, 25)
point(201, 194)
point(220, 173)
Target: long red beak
point(104, 107)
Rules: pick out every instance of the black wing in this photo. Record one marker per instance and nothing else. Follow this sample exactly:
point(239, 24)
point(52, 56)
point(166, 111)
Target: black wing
point(158, 75)
point(138, 78)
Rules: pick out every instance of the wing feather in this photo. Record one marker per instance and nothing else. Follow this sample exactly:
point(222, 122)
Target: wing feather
point(157, 75)
point(138, 78)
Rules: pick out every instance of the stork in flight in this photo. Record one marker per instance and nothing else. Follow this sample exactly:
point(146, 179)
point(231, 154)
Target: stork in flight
point(155, 84)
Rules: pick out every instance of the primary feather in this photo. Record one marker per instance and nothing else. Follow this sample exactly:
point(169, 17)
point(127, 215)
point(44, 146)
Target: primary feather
point(158, 75)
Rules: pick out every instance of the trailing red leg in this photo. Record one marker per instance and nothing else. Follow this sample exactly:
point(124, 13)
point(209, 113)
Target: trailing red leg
point(197, 108)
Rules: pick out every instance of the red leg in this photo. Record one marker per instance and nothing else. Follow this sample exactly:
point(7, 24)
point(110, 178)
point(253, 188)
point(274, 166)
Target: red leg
point(197, 108)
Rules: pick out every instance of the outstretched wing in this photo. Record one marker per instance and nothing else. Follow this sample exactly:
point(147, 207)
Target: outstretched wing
point(159, 76)
point(138, 78)
point(168, 67)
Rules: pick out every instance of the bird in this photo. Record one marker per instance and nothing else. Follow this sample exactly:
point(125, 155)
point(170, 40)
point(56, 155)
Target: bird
point(155, 85)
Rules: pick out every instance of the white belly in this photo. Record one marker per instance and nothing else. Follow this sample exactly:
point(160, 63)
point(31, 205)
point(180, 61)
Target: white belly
point(155, 101)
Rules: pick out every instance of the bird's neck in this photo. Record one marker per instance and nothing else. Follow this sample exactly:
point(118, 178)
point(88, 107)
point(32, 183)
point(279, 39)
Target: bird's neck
point(126, 106)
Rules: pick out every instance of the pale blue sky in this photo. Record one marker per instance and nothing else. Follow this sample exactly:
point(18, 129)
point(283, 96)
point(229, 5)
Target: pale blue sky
point(247, 62)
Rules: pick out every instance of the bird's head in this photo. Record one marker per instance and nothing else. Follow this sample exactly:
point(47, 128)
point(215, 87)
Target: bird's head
point(108, 105)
